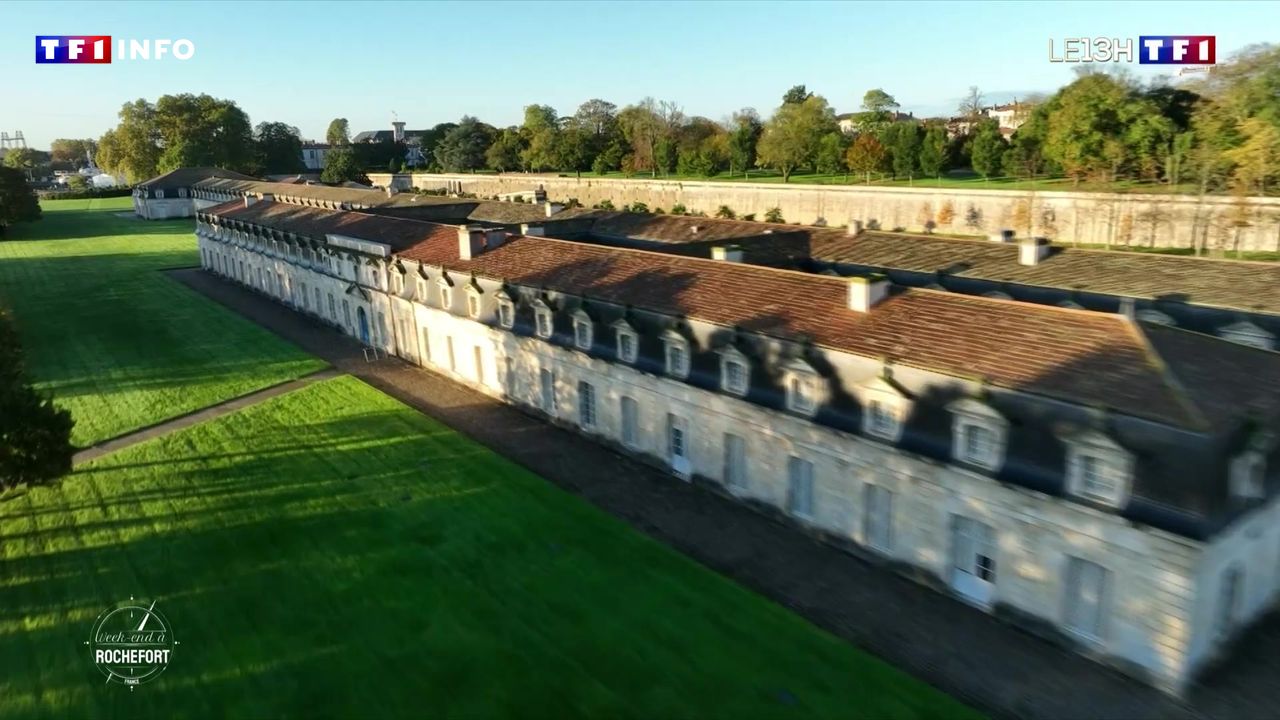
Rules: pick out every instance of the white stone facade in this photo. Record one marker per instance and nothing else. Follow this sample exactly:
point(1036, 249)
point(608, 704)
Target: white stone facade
point(1143, 599)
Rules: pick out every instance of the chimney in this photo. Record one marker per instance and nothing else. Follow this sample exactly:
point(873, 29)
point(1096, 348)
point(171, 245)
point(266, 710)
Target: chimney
point(1032, 250)
point(540, 195)
point(470, 241)
point(250, 200)
point(1004, 236)
point(534, 229)
point(553, 208)
point(728, 253)
point(867, 292)
point(855, 227)
point(494, 238)
point(1127, 308)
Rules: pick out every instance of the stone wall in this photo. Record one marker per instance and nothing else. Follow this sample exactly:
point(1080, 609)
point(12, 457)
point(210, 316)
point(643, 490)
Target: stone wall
point(1213, 223)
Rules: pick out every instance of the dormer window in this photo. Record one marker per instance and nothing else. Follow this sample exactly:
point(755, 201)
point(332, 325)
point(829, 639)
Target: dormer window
point(1248, 471)
point(677, 354)
point(802, 384)
point(506, 310)
point(422, 290)
point(1098, 468)
point(978, 433)
point(542, 319)
point(735, 373)
point(473, 304)
point(884, 404)
point(446, 294)
point(583, 331)
point(628, 341)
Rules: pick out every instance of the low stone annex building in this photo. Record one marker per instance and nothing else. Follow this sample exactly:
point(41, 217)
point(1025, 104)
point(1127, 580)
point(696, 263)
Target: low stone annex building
point(1105, 480)
point(170, 195)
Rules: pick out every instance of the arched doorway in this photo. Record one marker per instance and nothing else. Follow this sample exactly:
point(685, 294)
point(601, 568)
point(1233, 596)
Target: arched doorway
point(362, 320)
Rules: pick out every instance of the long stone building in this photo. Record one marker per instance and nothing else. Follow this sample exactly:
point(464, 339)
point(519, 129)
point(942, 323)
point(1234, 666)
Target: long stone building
point(1102, 480)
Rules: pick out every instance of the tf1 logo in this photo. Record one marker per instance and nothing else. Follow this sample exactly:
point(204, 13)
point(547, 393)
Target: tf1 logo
point(1150, 50)
point(97, 49)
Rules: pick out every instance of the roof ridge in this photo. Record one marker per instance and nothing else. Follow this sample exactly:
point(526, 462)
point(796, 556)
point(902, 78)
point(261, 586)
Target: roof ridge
point(1171, 378)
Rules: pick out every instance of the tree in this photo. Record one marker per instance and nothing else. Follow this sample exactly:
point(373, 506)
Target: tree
point(904, 145)
point(988, 149)
point(18, 202)
point(598, 117)
point(866, 155)
point(539, 131)
point(339, 133)
point(278, 148)
point(23, 159)
point(76, 152)
point(610, 158)
point(573, 150)
point(829, 158)
point(77, 183)
point(35, 435)
point(1085, 127)
point(463, 148)
point(200, 130)
point(340, 166)
point(796, 95)
point(743, 140)
point(1257, 158)
point(933, 150)
point(641, 127)
point(504, 154)
point(878, 108)
point(132, 148)
point(972, 104)
point(792, 136)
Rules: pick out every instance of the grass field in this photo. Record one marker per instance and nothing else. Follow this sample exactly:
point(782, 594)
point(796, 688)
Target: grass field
point(334, 553)
point(116, 341)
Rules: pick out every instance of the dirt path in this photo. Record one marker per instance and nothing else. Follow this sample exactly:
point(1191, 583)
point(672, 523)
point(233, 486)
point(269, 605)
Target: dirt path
point(967, 653)
point(199, 416)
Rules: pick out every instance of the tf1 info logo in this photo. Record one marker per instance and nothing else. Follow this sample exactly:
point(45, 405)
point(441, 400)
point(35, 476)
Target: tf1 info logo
point(97, 49)
point(1150, 50)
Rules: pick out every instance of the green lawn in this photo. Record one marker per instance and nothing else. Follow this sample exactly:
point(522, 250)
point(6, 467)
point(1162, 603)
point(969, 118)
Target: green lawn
point(118, 343)
point(332, 552)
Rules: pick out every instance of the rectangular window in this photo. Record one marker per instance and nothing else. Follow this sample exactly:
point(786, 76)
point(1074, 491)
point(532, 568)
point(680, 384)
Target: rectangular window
point(333, 309)
point(800, 487)
point(735, 377)
point(586, 405)
point(630, 421)
point(735, 461)
point(877, 518)
point(677, 360)
point(547, 385)
point(478, 358)
point(306, 299)
point(422, 290)
point(544, 324)
point(453, 361)
point(979, 444)
point(882, 421)
point(426, 346)
point(627, 347)
point(676, 440)
point(346, 313)
point(506, 315)
point(582, 335)
point(473, 305)
point(801, 396)
point(1230, 593)
point(1085, 597)
point(1096, 477)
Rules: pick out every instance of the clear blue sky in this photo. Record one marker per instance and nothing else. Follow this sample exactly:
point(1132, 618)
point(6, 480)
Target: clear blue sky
point(304, 63)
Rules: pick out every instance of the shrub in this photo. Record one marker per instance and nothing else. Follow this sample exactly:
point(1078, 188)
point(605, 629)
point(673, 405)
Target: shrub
point(638, 207)
point(35, 433)
point(724, 212)
point(774, 215)
point(659, 211)
point(572, 203)
point(604, 205)
point(678, 209)
point(749, 217)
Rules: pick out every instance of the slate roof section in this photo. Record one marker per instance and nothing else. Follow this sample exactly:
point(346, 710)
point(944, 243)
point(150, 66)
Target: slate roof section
point(188, 176)
point(1229, 284)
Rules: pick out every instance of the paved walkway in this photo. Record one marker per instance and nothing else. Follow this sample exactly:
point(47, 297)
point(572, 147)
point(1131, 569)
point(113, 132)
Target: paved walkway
point(965, 652)
point(199, 416)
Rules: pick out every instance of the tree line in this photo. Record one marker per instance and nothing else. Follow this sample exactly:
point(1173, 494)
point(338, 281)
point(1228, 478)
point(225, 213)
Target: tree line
point(1219, 132)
